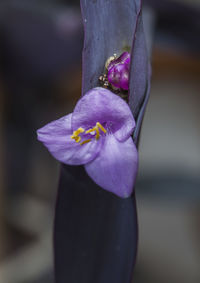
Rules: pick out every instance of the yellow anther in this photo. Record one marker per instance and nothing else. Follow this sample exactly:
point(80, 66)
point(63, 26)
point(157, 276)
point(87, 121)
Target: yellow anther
point(97, 133)
point(86, 141)
point(90, 130)
point(96, 129)
point(76, 133)
point(101, 127)
point(78, 139)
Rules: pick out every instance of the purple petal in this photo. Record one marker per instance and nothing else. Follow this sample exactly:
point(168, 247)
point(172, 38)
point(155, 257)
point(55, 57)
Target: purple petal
point(101, 105)
point(118, 76)
point(56, 136)
point(123, 59)
point(115, 167)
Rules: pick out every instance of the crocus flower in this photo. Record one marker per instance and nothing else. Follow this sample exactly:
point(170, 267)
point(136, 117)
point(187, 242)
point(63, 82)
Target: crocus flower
point(97, 135)
point(118, 71)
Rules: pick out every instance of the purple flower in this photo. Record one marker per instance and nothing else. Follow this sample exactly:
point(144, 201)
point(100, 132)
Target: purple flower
point(98, 135)
point(118, 71)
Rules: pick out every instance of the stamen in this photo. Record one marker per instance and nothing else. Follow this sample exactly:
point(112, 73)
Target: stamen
point(90, 130)
point(77, 139)
point(86, 141)
point(96, 129)
point(101, 127)
point(97, 133)
point(76, 133)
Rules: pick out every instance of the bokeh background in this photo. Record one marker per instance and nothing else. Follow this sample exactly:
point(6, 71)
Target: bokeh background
point(40, 80)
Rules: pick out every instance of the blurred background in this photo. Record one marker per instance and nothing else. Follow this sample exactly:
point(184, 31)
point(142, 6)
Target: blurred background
point(40, 80)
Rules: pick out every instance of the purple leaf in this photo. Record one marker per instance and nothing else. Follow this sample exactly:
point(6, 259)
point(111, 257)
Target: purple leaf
point(96, 232)
point(95, 236)
point(109, 28)
point(138, 78)
point(109, 32)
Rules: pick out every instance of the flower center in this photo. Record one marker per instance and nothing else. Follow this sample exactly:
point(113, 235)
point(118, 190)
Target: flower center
point(95, 130)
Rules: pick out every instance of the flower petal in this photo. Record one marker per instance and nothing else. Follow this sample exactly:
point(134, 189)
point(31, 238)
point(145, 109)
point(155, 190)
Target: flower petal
point(115, 168)
point(119, 76)
point(124, 58)
point(101, 105)
point(56, 136)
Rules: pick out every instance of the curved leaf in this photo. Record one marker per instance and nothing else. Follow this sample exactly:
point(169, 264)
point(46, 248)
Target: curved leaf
point(95, 234)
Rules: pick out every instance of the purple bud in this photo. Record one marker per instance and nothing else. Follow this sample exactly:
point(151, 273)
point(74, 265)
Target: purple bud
point(118, 71)
point(124, 58)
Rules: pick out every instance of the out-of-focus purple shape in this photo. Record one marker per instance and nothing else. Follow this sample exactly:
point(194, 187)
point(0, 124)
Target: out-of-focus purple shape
point(118, 71)
point(39, 45)
point(178, 24)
